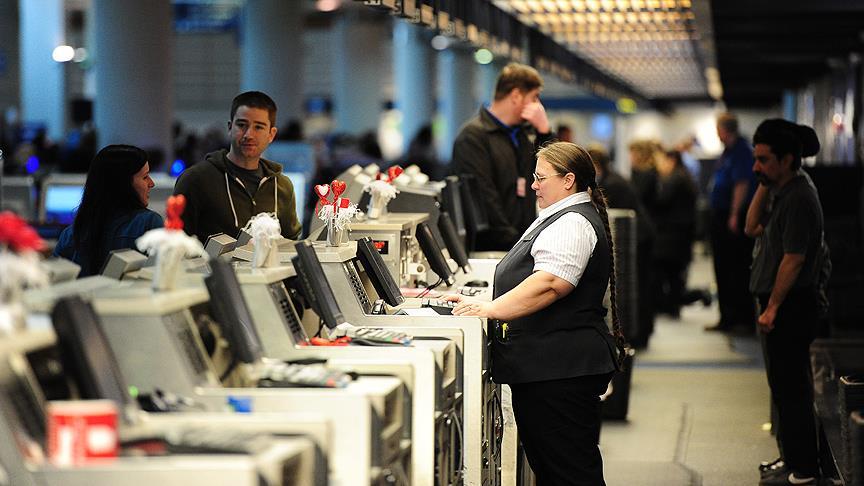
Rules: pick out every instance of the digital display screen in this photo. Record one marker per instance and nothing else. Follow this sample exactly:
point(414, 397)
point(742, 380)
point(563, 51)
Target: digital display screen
point(61, 202)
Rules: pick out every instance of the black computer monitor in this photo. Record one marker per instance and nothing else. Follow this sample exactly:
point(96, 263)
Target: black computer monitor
point(315, 285)
point(433, 253)
point(86, 353)
point(229, 309)
point(476, 218)
point(412, 200)
point(454, 244)
point(451, 200)
point(377, 271)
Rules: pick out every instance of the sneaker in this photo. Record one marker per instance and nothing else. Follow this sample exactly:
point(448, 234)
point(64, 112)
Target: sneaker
point(784, 479)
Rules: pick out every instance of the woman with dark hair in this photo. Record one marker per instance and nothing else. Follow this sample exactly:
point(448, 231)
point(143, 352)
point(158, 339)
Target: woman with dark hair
point(674, 215)
point(549, 339)
point(113, 211)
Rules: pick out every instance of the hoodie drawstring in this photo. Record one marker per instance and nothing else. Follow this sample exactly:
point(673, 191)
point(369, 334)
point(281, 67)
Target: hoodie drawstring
point(276, 196)
point(231, 201)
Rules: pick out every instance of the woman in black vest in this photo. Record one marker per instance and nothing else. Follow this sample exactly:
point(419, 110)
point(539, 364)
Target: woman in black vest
point(549, 339)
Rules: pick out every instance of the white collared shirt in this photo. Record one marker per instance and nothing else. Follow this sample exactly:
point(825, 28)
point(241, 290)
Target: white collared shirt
point(565, 246)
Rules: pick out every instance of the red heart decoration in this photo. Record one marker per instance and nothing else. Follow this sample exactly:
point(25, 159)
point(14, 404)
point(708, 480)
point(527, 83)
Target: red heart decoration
point(322, 190)
point(338, 188)
point(394, 172)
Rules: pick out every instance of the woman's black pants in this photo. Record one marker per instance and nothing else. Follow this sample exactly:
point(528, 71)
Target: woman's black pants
point(559, 427)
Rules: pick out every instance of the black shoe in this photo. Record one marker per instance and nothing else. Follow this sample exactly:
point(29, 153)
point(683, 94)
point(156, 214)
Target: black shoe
point(706, 299)
point(787, 479)
point(773, 467)
point(719, 327)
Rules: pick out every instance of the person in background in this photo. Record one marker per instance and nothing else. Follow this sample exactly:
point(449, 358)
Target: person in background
point(549, 339)
point(620, 193)
point(231, 186)
point(113, 211)
point(785, 216)
point(675, 218)
point(733, 186)
point(564, 133)
point(497, 148)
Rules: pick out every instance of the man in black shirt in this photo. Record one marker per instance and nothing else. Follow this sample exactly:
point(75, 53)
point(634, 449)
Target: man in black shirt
point(786, 219)
point(497, 148)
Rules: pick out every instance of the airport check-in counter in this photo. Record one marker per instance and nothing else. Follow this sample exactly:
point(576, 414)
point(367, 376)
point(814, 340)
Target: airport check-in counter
point(157, 339)
point(26, 355)
point(427, 368)
point(479, 396)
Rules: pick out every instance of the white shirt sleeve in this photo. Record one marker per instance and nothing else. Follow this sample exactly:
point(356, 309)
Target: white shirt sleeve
point(564, 247)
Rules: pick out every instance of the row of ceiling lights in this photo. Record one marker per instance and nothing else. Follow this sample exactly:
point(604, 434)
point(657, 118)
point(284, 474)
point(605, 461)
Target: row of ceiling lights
point(648, 43)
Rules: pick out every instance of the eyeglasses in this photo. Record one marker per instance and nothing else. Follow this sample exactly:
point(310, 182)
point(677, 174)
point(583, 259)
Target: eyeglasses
point(540, 178)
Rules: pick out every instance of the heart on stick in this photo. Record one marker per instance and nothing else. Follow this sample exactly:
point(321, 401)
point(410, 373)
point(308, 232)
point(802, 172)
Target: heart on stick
point(338, 187)
point(322, 190)
point(394, 172)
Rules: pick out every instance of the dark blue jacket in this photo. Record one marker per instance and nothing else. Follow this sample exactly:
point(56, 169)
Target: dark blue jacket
point(120, 232)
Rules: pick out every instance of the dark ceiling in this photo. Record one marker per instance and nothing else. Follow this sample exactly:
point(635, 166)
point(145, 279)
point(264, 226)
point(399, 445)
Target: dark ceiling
point(766, 46)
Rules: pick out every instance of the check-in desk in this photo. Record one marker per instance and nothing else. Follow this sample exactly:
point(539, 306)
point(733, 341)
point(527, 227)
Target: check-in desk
point(271, 461)
point(427, 368)
point(157, 339)
point(478, 396)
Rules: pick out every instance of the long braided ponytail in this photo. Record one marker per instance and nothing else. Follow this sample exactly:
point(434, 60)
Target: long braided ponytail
point(568, 157)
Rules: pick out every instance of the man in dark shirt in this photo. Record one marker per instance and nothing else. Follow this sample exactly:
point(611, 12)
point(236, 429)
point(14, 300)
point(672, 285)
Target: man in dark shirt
point(786, 219)
point(231, 186)
point(497, 148)
point(732, 187)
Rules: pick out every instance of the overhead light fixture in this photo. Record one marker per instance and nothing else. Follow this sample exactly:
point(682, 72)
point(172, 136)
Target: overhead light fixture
point(63, 53)
point(483, 56)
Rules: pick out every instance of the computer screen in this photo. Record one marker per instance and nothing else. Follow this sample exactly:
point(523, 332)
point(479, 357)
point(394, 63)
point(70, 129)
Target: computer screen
point(315, 286)
point(86, 353)
point(455, 245)
point(376, 269)
point(451, 199)
point(229, 310)
point(300, 182)
point(433, 253)
point(60, 202)
point(19, 196)
point(410, 200)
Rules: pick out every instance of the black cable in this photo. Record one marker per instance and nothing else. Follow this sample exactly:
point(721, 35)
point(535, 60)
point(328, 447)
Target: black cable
point(430, 288)
point(320, 327)
point(233, 364)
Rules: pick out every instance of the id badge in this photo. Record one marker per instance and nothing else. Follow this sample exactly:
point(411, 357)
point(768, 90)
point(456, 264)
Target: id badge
point(521, 185)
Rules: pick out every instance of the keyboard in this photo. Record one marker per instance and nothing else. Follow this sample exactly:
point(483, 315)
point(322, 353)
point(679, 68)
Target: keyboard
point(213, 441)
point(290, 375)
point(372, 336)
point(443, 307)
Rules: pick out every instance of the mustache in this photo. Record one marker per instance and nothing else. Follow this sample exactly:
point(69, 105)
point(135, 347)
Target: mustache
point(762, 178)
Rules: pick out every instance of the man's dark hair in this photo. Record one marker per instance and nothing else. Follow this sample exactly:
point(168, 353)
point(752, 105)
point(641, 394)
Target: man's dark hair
point(255, 99)
point(729, 122)
point(517, 76)
point(785, 137)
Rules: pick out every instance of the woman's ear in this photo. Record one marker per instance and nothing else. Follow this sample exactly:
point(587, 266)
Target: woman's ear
point(569, 181)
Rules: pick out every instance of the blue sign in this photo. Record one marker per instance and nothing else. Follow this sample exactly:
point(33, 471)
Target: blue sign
point(205, 17)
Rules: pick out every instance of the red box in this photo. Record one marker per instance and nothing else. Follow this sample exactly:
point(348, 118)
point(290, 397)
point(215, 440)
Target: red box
point(79, 431)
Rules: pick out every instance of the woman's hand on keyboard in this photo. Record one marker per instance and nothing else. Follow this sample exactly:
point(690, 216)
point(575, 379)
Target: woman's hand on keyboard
point(469, 307)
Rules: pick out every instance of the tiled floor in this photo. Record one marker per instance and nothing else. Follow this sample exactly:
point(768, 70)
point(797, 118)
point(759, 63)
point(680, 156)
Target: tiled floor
point(699, 407)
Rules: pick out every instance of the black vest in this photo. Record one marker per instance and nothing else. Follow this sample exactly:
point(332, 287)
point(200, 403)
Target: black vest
point(569, 338)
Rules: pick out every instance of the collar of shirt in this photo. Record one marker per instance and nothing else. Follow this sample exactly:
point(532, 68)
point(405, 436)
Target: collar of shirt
point(578, 198)
point(512, 132)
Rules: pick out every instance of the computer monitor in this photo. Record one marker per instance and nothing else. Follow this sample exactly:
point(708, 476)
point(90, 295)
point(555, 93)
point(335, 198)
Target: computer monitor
point(455, 245)
point(19, 196)
point(300, 183)
point(60, 199)
point(433, 253)
point(315, 286)
point(228, 308)
point(86, 353)
point(451, 199)
point(413, 200)
point(376, 269)
point(476, 219)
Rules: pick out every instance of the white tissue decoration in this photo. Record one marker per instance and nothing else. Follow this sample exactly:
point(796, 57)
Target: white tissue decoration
point(266, 231)
point(170, 246)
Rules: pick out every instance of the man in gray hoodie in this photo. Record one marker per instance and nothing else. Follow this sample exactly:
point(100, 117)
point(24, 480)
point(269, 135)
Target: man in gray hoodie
point(230, 186)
